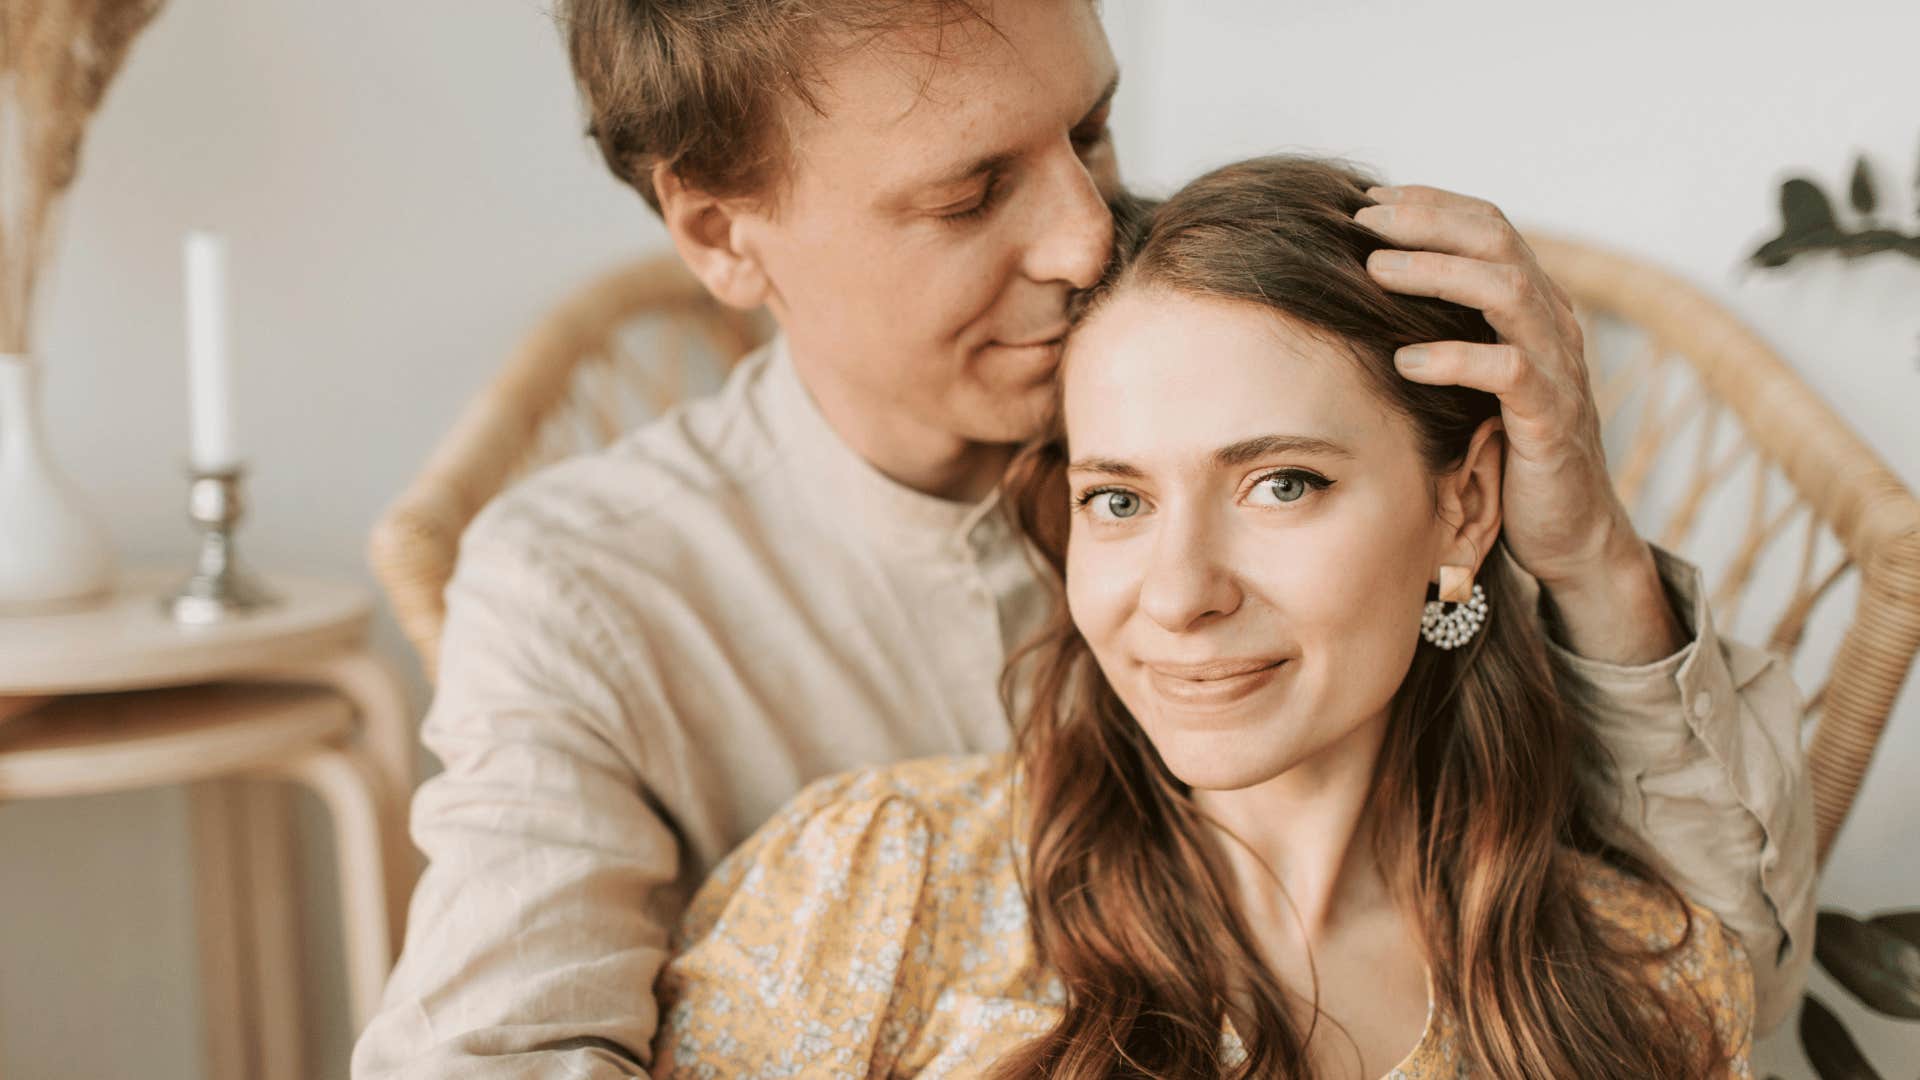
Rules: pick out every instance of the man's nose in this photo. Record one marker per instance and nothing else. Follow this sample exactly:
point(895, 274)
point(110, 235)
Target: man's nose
point(1073, 227)
point(1186, 582)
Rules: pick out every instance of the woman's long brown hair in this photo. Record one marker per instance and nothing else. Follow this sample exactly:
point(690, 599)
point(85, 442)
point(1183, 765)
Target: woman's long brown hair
point(1475, 787)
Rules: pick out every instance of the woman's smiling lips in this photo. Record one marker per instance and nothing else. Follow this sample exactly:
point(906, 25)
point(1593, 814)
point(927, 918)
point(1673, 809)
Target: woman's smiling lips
point(1216, 682)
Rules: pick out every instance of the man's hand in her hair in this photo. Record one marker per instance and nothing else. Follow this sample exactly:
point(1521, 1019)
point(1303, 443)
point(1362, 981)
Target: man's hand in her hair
point(1562, 520)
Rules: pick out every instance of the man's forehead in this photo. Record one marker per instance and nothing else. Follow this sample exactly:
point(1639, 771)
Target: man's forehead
point(941, 100)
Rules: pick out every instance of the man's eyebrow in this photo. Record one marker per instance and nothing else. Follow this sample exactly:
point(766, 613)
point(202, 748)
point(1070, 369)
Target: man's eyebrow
point(981, 166)
point(1265, 445)
point(1105, 99)
point(988, 164)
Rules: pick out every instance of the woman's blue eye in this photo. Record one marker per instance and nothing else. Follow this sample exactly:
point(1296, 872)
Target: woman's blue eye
point(1285, 488)
point(1121, 504)
point(1289, 486)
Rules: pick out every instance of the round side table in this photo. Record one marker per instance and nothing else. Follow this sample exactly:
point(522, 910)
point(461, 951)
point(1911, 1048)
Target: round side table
point(117, 696)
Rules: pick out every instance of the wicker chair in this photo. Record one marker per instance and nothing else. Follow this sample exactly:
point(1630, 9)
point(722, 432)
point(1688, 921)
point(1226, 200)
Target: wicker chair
point(1669, 365)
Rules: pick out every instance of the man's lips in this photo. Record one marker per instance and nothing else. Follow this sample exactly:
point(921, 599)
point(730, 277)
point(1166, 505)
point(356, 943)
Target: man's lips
point(1054, 339)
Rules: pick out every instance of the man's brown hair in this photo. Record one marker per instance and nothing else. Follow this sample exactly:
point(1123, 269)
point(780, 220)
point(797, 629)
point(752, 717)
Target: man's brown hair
point(698, 84)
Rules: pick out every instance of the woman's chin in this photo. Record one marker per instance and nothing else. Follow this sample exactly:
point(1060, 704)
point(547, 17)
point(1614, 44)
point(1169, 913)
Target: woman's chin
point(1222, 761)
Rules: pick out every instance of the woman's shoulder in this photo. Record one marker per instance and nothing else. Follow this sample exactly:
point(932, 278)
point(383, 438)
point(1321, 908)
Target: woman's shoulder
point(1685, 943)
point(899, 826)
point(956, 805)
point(1654, 916)
point(830, 935)
point(963, 790)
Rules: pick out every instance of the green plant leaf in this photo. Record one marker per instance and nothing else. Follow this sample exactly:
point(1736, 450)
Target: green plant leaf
point(1805, 210)
point(1860, 191)
point(1807, 224)
point(1830, 1050)
point(1901, 924)
point(1874, 964)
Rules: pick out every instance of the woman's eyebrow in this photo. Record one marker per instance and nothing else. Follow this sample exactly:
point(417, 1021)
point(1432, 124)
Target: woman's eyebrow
point(1247, 450)
point(1228, 456)
point(1106, 467)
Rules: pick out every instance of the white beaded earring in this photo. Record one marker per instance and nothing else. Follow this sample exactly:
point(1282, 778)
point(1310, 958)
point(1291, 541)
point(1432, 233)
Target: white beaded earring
point(1452, 629)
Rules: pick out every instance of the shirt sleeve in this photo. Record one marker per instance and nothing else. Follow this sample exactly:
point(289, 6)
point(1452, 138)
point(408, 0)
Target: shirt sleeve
point(792, 951)
point(536, 931)
point(1705, 767)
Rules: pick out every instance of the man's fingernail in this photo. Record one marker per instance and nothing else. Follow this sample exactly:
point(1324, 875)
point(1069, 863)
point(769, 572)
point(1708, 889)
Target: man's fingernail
point(1412, 356)
point(1384, 194)
point(1379, 215)
point(1388, 260)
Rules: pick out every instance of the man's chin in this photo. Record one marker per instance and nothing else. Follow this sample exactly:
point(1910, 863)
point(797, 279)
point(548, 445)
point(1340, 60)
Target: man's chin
point(1010, 414)
point(1021, 363)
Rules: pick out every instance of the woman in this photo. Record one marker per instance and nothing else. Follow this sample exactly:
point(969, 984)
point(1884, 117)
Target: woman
point(1273, 812)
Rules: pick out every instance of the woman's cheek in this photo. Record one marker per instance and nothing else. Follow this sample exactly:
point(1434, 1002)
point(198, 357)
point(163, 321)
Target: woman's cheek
point(1099, 588)
point(1353, 577)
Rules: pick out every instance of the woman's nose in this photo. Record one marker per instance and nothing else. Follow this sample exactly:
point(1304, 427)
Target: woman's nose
point(1186, 582)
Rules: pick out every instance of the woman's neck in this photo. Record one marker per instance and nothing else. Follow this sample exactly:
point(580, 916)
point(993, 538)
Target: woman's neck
point(1301, 844)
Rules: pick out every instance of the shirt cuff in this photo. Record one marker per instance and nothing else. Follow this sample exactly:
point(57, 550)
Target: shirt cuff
point(1646, 713)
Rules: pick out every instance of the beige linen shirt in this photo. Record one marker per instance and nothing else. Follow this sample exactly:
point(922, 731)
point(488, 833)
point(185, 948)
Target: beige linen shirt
point(649, 649)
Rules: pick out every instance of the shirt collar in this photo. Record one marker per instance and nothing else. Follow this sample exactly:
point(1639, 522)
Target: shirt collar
point(870, 500)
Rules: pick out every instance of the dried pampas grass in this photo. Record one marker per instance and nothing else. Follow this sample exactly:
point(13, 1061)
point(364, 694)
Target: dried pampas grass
point(56, 59)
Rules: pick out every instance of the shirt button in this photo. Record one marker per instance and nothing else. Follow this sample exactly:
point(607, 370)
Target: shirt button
point(1702, 704)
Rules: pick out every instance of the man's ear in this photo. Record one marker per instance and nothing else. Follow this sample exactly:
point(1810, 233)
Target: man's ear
point(1470, 499)
point(706, 232)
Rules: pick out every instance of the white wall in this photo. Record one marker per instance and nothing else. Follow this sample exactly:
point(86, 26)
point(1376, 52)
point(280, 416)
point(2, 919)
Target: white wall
point(404, 190)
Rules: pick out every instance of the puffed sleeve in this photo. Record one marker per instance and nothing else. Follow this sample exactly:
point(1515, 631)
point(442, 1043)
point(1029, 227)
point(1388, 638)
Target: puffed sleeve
point(789, 956)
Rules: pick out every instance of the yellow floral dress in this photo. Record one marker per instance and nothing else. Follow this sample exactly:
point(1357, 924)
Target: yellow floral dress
point(875, 928)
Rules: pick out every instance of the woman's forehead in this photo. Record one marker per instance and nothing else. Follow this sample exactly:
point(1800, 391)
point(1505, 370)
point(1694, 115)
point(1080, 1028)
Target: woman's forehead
point(1155, 372)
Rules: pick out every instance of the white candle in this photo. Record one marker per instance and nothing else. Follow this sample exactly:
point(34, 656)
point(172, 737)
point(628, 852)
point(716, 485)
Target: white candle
point(209, 364)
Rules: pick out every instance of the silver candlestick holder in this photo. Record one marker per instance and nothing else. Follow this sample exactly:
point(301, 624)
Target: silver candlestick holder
point(219, 589)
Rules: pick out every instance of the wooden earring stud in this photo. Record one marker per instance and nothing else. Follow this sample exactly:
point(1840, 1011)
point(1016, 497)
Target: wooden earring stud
point(1456, 584)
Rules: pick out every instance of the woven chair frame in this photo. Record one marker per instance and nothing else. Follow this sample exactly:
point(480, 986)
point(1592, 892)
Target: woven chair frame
point(1693, 370)
point(1724, 422)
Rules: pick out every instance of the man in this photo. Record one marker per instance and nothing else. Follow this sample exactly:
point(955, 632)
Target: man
point(651, 648)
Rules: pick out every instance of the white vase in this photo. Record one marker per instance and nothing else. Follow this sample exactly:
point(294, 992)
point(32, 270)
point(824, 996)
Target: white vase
point(54, 553)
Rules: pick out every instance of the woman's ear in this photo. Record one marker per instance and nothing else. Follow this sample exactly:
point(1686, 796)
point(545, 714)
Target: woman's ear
point(706, 231)
point(1470, 500)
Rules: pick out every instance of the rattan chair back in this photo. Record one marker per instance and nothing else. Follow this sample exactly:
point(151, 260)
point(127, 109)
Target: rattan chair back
point(1810, 543)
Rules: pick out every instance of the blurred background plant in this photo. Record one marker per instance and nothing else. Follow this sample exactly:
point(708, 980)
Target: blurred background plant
point(1877, 960)
point(1809, 225)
